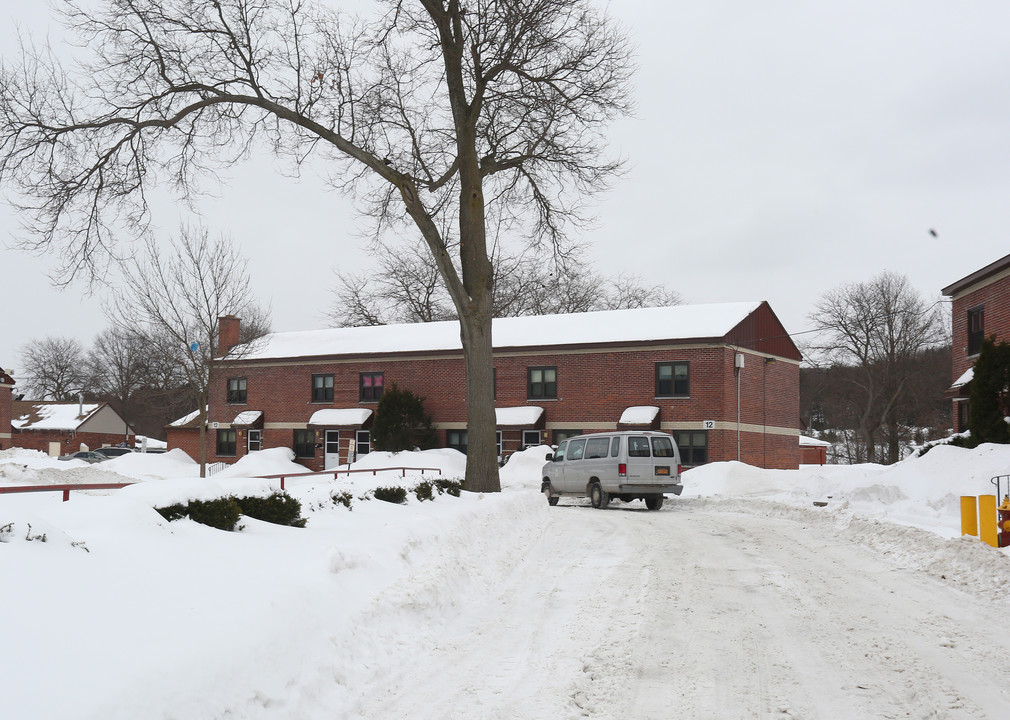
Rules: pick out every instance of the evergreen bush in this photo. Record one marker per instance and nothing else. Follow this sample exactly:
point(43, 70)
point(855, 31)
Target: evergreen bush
point(279, 508)
point(450, 487)
point(989, 390)
point(221, 513)
point(401, 423)
point(395, 495)
point(424, 490)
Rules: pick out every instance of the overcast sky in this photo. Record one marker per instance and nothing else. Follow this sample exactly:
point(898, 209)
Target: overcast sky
point(778, 150)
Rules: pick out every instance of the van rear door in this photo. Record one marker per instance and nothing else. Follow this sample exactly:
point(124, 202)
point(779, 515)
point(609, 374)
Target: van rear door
point(640, 468)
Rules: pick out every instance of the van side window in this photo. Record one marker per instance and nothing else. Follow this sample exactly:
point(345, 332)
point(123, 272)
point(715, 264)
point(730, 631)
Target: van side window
point(615, 447)
point(559, 454)
point(597, 447)
point(662, 447)
point(575, 449)
point(638, 447)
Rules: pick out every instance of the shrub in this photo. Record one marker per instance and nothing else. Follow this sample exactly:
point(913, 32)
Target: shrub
point(279, 508)
point(451, 487)
point(342, 498)
point(424, 490)
point(222, 513)
point(988, 405)
point(400, 422)
point(395, 495)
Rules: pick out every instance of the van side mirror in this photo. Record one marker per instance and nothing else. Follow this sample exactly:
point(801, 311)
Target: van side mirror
point(550, 457)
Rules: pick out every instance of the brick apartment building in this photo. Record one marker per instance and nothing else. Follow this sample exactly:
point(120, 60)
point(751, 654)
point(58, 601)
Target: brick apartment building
point(678, 369)
point(6, 397)
point(980, 308)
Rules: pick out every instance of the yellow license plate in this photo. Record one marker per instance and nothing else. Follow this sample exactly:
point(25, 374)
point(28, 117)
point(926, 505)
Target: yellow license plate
point(662, 471)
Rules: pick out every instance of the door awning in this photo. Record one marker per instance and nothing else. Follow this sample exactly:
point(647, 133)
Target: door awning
point(340, 417)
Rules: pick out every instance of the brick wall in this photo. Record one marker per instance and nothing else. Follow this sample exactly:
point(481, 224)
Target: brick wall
point(995, 297)
point(70, 441)
point(6, 396)
point(593, 389)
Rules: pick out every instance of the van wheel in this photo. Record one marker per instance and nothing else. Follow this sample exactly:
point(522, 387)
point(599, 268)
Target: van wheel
point(552, 499)
point(598, 497)
point(654, 503)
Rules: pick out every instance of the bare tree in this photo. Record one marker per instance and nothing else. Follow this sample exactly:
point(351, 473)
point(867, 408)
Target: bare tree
point(54, 368)
point(117, 366)
point(406, 287)
point(879, 328)
point(174, 300)
point(447, 116)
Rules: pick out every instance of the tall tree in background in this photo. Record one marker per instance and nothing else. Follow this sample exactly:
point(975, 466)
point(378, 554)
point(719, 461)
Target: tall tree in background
point(878, 328)
point(407, 288)
point(174, 300)
point(118, 368)
point(54, 368)
point(449, 116)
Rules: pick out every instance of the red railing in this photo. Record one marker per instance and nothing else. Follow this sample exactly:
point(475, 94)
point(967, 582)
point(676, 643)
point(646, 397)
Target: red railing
point(65, 489)
point(335, 473)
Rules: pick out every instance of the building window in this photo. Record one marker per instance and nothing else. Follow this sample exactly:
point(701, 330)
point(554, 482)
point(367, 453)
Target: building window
point(976, 329)
point(255, 440)
point(543, 382)
point(226, 442)
point(305, 443)
point(693, 445)
point(456, 439)
point(362, 442)
point(236, 390)
point(561, 435)
point(531, 438)
point(672, 379)
point(322, 388)
point(498, 441)
point(371, 386)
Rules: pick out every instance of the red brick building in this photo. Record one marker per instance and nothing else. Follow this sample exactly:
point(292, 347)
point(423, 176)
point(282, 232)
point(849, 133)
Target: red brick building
point(6, 396)
point(678, 369)
point(980, 308)
point(62, 428)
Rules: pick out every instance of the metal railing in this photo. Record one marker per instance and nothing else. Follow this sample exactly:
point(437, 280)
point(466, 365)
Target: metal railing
point(65, 489)
point(336, 473)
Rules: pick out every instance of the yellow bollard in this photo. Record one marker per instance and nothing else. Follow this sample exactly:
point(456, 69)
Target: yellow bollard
point(987, 519)
point(969, 515)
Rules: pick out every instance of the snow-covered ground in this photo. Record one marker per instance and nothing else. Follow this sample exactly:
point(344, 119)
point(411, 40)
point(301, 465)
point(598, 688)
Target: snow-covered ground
point(740, 599)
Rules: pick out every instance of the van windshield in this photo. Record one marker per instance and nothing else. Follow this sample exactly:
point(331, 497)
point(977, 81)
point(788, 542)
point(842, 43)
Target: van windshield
point(559, 454)
point(662, 447)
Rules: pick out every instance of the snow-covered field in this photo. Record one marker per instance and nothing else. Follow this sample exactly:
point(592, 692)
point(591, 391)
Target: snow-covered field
point(740, 599)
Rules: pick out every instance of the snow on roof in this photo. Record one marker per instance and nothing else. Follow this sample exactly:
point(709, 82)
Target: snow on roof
point(247, 417)
point(969, 374)
point(186, 419)
point(639, 415)
point(525, 415)
point(340, 416)
point(51, 416)
point(808, 441)
point(680, 322)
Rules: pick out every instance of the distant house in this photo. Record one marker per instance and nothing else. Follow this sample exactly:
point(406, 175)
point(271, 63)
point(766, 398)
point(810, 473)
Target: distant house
point(813, 451)
point(980, 308)
point(6, 397)
point(723, 379)
point(61, 428)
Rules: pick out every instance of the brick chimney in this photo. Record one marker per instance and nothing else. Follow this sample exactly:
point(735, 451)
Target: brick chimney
point(227, 334)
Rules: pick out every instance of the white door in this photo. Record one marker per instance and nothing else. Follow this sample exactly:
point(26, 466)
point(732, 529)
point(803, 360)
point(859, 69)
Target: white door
point(331, 449)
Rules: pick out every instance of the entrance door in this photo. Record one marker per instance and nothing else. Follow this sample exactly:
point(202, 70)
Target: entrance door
point(331, 449)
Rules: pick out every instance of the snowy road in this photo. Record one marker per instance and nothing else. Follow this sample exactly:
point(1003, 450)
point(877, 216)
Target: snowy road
point(701, 610)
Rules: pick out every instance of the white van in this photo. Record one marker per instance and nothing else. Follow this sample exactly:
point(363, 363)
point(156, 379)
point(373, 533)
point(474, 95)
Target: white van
point(626, 465)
